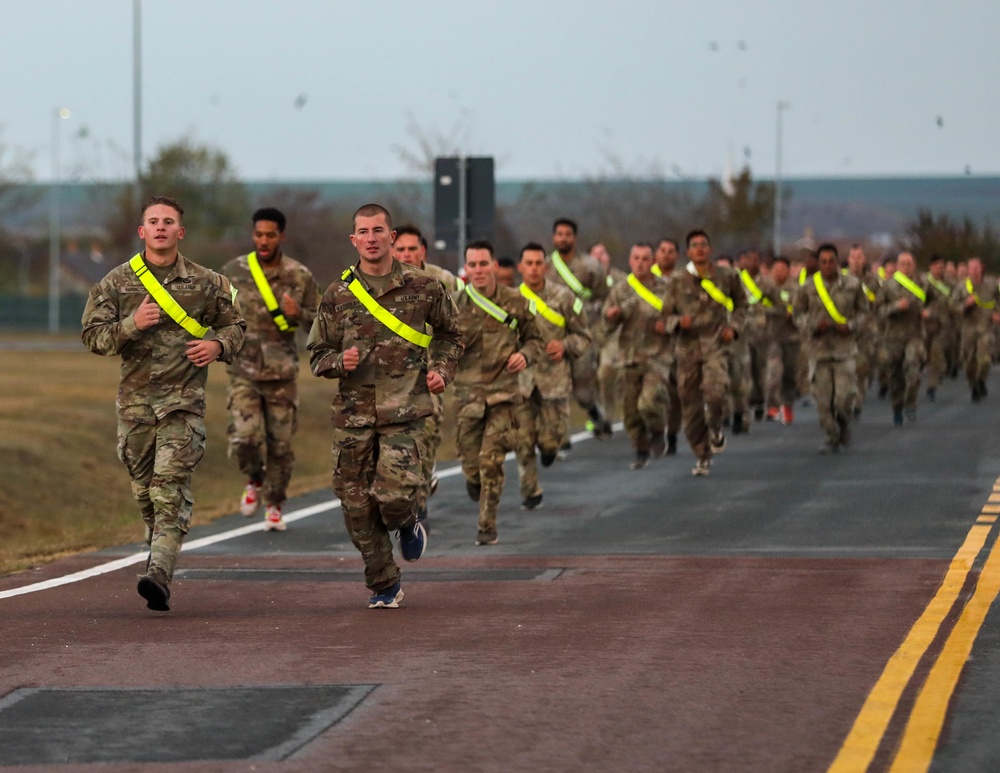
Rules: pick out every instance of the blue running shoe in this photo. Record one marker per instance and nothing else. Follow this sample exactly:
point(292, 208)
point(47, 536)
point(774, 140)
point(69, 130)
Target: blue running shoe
point(386, 599)
point(412, 541)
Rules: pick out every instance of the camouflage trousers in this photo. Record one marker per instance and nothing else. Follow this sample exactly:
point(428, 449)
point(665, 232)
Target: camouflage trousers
point(262, 422)
point(703, 386)
point(432, 442)
point(481, 443)
point(644, 404)
point(834, 385)
point(757, 350)
point(543, 425)
point(608, 374)
point(783, 381)
point(866, 365)
point(583, 370)
point(160, 459)
point(902, 360)
point(376, 474)
point(738, 357)
point(976, 353)
point(940, 354)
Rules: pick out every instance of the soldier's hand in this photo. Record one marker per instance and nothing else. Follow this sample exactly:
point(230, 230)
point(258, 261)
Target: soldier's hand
point(435, 382)
point(516, 363)
point(351, 359)
point(147, 315)
point(970, 302)
point(727, 335)
point(203, 353)
point(925, 314)
point(996, 317)
point(290, 307)
point(660, 326)
point(685, 322)
point(903, 304)
point(612, 313)
point(555, 350)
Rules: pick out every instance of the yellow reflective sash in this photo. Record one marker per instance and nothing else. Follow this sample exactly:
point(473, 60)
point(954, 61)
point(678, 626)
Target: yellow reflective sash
point(709, 287)
point(824, 296)
point(656, 270)
point(756, 294)
point(569, 277)
point(910, 285)
point(881, 273)
point(938, 285)
point(383, 315)
point(979, 303)
point(803, 276)
point(542, 307)
point(644, 292)
point(498, 313)
point(264, 288)
point(164, 299)
point(785, 297)
point(869, 294)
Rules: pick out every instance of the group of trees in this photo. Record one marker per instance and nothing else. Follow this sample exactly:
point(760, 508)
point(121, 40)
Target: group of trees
point(943, 235)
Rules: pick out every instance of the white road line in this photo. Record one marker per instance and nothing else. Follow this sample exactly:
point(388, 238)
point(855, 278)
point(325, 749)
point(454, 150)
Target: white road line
point(242, 531)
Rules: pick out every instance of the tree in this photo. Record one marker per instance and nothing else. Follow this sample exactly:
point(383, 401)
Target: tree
point(939, 234)
point(738, 213)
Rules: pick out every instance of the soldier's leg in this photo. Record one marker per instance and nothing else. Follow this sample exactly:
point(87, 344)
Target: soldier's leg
point(758, 374)
point(584, 373)
point(553, 424)
point(398, 473)
point(845, 384)
point(790, 357)
point(528, 420)
point(607, 376)
point(913, 362)
point(281, 403)
point(715, 386)
point(822, 387)
point(652, 403)
point(631, 381)
point(137, 451)
point(984, 353)
point(673, 403)
point(738, 375)
point(693, 407)
point(354, 464)
point(247, 434)
point(894, 366)
point(468, 443)
point(937, 364)
point(499, 438)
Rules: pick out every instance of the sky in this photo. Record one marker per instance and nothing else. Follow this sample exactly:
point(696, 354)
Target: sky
point(331, 90)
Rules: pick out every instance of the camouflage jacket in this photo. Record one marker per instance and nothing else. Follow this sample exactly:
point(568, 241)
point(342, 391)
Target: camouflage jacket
point(849, 299)
point(756, 327)
point(780, 314)
point(638, 341)
point(687, 297)
point(157, 378)
point(979, 316)
point(591, 275)
point(443, 275)
point(482, 377)
point(900, 325)
point(939, 295)
point(268, 354)
point(554, 379)
point(389, 385)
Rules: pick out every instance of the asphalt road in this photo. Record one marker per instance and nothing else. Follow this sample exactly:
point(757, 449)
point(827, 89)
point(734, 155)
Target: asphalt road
point(791, 612)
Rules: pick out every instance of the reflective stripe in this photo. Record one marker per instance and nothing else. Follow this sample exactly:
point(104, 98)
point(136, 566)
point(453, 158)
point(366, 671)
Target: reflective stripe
point(785, 297)
point(881, 273)
point(972, 293)
point(656, 270)
point(756, 294)
point(569, 277)
point(824, 296)
point(709, 287)
point(543, 308)
point(803, 276)
point(938, 285)
point(644, 292)
point(498, 313)
point(264, 288)
point(164, 299)
point(870, 294)
point(905, 281)
point(383, 315)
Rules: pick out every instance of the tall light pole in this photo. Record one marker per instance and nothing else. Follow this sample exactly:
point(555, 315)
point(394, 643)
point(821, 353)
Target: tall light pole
point(58, 115)
point(782, 106)
point(137, 97)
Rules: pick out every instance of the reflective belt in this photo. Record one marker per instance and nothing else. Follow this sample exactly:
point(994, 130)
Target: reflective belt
point(264, 288)
point(940, 286)
point(164, 299)
point(499, 314)
point(656, 270)
point(910, 285)
point(644, 292)
point(383, 315)
point(709, 287)
point(979, 303)
point(756, 294)
point(542, 307)
point(569, 277)
point(824, 296)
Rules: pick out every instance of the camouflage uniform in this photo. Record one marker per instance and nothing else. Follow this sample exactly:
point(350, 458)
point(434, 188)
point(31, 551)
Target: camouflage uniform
point(488, 395)
point(832, 376)
point(702, 372)
point(868, 341)
point(940, 331)
point(609, 356)
point(646, 359)
point(263, 393)
point(902, 352)
point(977, 328)
point(161, 395)
point(591, 275)
point(380, 408)
point(546, 386)
point(757, 340)
point(785, 336)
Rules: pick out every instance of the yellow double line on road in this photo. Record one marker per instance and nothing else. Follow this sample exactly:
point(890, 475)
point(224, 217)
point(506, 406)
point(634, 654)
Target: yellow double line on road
point(923, 728)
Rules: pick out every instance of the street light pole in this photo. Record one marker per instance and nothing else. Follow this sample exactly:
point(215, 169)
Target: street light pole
point(137, 97)
point(782, 105)
point(55, 237)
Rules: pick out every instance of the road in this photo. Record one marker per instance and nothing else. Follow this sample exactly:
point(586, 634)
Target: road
point(791, 612)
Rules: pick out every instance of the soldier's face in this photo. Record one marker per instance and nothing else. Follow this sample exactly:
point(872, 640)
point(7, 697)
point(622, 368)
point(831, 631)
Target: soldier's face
point(161, 228)
point(779, 272)
point(640, 260)
point(856, 261)
point(666, 256)
point(372, 238)
point(750, 261)
point(699, 250)
point(937, 269)
point(975, 270)
point(600, 253)
point(408, 249)
point(828, 264)
point(480, 270)
point(906, 264)
point(267, 240)
point(532, 267)
point(564, 239)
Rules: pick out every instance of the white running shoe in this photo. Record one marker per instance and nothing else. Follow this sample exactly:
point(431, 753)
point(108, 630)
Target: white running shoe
point(273, 520)
point(250, 500)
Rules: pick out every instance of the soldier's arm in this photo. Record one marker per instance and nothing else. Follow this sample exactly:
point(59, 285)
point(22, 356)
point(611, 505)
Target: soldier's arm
point(223, 316)
point(325, 345)
point(446, 347)
point(530, 341)
point(800, 313)
point(578, 337)
point(740, 304)
point(103, 332)
point(309, 302)
point(614, 300)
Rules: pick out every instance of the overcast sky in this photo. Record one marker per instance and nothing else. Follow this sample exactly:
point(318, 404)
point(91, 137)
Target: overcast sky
point(322, 89)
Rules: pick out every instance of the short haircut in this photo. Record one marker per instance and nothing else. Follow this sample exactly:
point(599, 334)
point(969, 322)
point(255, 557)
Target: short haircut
point(782, 259)
point(372, 210)
point(271, 214)
point(668, 240)
point(827, 247)
point(408, 229)
point(936, 258)
point(479, 244)
point(167, 201)
point(692, 234)
point(642, 245)
point(531, 247)
point(564, 221)
point(506, 262)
